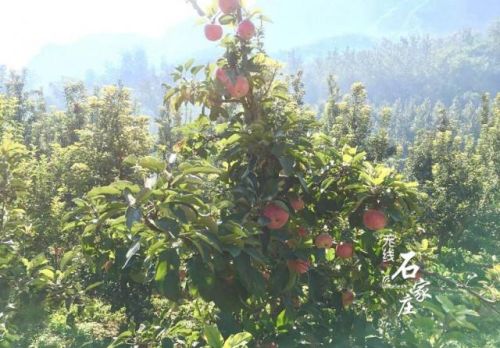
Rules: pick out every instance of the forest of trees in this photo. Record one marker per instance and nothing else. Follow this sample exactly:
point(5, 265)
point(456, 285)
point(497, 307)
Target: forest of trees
point(112, 235)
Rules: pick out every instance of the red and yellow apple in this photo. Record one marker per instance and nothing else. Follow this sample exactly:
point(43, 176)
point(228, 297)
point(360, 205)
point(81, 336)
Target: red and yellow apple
point(213, 32)
point(291, 243)
point(347, 298)
point(297, 203)
point(298, 266)
point(240, 88)
point(107, 265)
point(277, 215)
point(384, 265)
point(222, 76)
point(302, 232)
point(182, 275)
point(266, 275)
point(344, 250)
point(228, 6)
point(323, 241)
point(374, 219)
point(246, 30)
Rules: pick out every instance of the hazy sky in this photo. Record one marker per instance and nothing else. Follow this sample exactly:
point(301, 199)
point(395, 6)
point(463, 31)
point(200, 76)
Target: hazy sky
point(27, 25)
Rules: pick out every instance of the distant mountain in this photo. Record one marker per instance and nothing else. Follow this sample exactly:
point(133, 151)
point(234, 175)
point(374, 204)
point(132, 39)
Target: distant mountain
point(96, 54)
point(312, 27)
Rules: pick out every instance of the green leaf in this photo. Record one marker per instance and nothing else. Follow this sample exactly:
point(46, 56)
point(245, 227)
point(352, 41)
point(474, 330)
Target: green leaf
point(152, 163)
point(425, 244)
point(213, 336)
point(93, 286)
point(67, 258)
point(281, 319)
point(47, 273)
point(122, 337)
point(131, 252)
point(202, 170)
point(445, 303)
point(104, 190)
point(167, 275)
point(132, 215)
point(330, 254)
point(189, 64)
point(226, 19)
point(238, 340)
point(161, 271)
point(196, 69)
point(250, 277)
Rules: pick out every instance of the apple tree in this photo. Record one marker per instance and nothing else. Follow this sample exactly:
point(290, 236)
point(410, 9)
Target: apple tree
point(255, 211)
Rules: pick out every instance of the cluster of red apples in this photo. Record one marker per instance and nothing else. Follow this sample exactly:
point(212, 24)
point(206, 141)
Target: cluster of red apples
point(278, 217)
point(236, 84)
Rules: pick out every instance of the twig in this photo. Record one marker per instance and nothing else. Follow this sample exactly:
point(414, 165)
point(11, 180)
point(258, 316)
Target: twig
point(197, 7)
point(464, 287)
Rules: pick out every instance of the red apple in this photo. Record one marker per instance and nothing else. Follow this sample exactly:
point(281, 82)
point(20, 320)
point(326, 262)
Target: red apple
point(298, 266)
point(418, 276)
point(302, 232)
point(297, 203)
point(228, 279)
point(240, 88)
point(246, 30)
point(221, 75)
point(385, 265)
point(277, 215)
point(344, 250)
point(213, 32)
point(347, 298)
point(228, 6)
point(266, 275)
point(323, 241)
point(291, 243)
point(374, 219)
point(58, 251)
point(107, 265)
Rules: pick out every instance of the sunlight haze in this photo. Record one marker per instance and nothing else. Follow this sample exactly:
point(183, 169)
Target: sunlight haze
point(62, 21)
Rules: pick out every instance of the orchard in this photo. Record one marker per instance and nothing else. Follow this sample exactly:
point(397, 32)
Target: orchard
point(252, 227)
point(264, 217)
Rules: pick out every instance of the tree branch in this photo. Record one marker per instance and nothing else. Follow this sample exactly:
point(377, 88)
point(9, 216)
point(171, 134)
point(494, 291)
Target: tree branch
point(463, 287)
point(197, 7)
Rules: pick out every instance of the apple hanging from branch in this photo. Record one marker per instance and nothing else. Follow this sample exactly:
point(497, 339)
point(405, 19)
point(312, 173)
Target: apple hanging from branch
point(374, 219)
point(213, 32)
point(344, 250)
point(229, 6)
point(278, 216)
point(323, 241)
